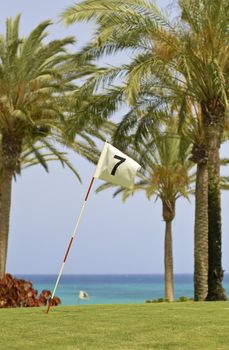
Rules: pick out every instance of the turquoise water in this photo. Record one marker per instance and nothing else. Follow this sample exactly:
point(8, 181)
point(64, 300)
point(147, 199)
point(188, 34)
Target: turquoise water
point(113, 289)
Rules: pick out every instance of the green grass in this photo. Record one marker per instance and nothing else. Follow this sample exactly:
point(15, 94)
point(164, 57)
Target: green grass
point(189, 325)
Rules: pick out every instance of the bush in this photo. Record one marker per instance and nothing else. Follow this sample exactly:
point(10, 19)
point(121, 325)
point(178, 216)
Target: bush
point(162, 300)
point(182, 299)
point(159, 300)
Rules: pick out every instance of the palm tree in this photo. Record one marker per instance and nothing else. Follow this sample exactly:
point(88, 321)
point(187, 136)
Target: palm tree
point(36, 81)
point(166, 175)
point(209, 58)
point(189, 59)
point(192, 130)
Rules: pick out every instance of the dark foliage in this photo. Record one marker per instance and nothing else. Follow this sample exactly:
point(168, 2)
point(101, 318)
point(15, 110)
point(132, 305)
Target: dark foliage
point(20, 293)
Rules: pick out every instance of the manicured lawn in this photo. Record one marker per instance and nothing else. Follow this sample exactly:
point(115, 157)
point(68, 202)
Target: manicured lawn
point(177, 326)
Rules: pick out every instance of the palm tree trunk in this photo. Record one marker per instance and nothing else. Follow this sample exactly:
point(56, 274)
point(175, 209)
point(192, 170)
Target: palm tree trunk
point(168, 216)
point(10, 151)
point(168, 262)
point(201, 233)
point(215, 272)
point(5, 204)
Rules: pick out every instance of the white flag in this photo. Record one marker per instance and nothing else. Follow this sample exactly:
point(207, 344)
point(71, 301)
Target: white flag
point(116, 167)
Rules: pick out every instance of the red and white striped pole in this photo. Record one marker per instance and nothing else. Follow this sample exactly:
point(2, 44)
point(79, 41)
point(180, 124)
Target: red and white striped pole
point(69, 246)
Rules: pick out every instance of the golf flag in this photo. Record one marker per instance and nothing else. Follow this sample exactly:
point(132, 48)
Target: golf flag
point(116, 167)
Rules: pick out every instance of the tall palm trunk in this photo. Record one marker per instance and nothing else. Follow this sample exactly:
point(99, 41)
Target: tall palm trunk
point(200, 157)
point(6, 187)
point(168, 262)
point(201, 233)
point(215, 273)
point(10, 156)
point(168, 216)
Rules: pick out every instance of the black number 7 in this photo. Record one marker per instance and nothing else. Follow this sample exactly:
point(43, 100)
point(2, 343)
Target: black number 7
point(121, 160)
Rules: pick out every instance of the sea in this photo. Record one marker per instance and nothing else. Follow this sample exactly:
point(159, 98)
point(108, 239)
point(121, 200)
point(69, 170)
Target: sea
point(114, 289)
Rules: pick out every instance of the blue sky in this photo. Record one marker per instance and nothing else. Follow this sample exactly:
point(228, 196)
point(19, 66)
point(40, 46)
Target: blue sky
point(113, 237)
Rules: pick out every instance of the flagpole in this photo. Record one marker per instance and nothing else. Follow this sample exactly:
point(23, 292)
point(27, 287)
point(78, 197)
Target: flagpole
point(70, 244)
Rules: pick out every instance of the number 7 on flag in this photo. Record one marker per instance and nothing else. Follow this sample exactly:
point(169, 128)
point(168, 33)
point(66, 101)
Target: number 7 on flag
point(121, 160)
